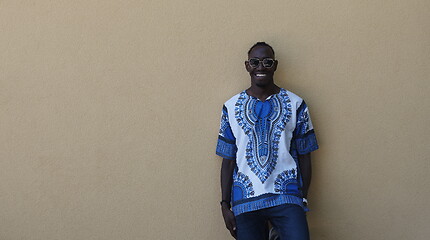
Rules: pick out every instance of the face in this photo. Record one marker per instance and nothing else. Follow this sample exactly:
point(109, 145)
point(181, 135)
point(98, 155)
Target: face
point(260, 75)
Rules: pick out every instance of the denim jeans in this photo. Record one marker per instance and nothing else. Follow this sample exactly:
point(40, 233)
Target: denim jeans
point(289, 220)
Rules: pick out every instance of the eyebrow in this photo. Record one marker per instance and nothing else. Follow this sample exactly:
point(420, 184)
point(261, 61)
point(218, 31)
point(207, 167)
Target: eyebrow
point(261, 58)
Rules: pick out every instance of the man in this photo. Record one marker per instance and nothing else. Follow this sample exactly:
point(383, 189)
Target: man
point(265, 140)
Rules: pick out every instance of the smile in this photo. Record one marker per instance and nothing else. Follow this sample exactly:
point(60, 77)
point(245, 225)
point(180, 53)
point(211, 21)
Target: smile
point(260, 75)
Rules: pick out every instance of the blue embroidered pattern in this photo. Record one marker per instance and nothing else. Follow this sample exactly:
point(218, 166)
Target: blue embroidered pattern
point(224, 121)
point(286, 182)
point(263, 123)
point(242, 187)
point(307, 143)
point(226, 146)
point(305, 140)
point(303, 120)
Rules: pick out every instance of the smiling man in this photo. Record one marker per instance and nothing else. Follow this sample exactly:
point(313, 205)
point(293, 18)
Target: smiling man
point(265, 139)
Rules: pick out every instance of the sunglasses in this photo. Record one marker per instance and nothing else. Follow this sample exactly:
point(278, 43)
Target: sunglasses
point(267, 62)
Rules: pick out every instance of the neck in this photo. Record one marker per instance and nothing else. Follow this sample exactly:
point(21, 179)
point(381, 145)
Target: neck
point(262, 92)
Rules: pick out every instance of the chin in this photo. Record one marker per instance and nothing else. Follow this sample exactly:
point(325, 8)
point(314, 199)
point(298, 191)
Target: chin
point(262, 83)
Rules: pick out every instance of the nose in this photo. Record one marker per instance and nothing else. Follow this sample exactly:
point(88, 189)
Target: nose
point(260, 66)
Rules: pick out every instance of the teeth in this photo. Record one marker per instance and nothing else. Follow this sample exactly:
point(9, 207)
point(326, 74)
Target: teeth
point(260, 75)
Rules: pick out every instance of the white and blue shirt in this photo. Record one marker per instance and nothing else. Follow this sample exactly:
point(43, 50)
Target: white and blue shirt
point(265, 139)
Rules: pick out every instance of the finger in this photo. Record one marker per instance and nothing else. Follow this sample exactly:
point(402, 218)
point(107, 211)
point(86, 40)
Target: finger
point(233, 233)
point(233, 229)
point(234, 225)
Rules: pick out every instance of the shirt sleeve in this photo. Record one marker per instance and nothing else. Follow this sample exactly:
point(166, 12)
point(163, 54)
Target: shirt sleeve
point(304, 135)
point(226, 146)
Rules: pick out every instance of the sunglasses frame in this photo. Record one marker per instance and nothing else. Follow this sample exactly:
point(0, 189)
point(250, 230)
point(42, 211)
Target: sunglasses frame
point(261, 61)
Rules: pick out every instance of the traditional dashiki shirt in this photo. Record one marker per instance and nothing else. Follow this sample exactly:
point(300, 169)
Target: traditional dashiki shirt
point(265, 139)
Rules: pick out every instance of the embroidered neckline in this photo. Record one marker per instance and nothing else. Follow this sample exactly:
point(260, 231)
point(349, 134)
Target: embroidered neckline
point(268, 98)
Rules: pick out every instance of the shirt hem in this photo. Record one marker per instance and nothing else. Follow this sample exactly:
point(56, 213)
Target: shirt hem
point(271, 201)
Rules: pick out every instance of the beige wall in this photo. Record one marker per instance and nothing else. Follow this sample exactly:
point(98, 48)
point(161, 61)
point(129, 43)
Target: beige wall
point(109, 113)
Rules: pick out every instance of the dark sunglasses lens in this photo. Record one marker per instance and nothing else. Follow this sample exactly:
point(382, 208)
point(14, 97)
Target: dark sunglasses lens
point(253, 62)
point(268, 63)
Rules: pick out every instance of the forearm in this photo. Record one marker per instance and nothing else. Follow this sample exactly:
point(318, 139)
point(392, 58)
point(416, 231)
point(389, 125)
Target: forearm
point(306, 172)
point(227, 169)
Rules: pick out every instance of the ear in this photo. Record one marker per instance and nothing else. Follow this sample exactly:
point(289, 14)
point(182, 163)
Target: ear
point(275, 66)
point(247, 67)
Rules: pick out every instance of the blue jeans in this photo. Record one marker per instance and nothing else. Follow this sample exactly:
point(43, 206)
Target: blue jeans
point(289, 220)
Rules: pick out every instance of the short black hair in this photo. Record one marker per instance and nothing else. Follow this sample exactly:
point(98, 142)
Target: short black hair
point(263, 44)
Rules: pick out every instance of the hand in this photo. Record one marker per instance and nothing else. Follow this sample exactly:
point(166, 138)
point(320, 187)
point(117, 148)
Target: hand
point(229, 220)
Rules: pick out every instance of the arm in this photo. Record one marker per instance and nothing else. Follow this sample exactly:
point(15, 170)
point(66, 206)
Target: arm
point(227, 169)
point(305, 142)
point(306, 172)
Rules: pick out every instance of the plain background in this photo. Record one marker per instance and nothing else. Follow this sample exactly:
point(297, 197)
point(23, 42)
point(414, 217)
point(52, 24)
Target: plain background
point(109, 113)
